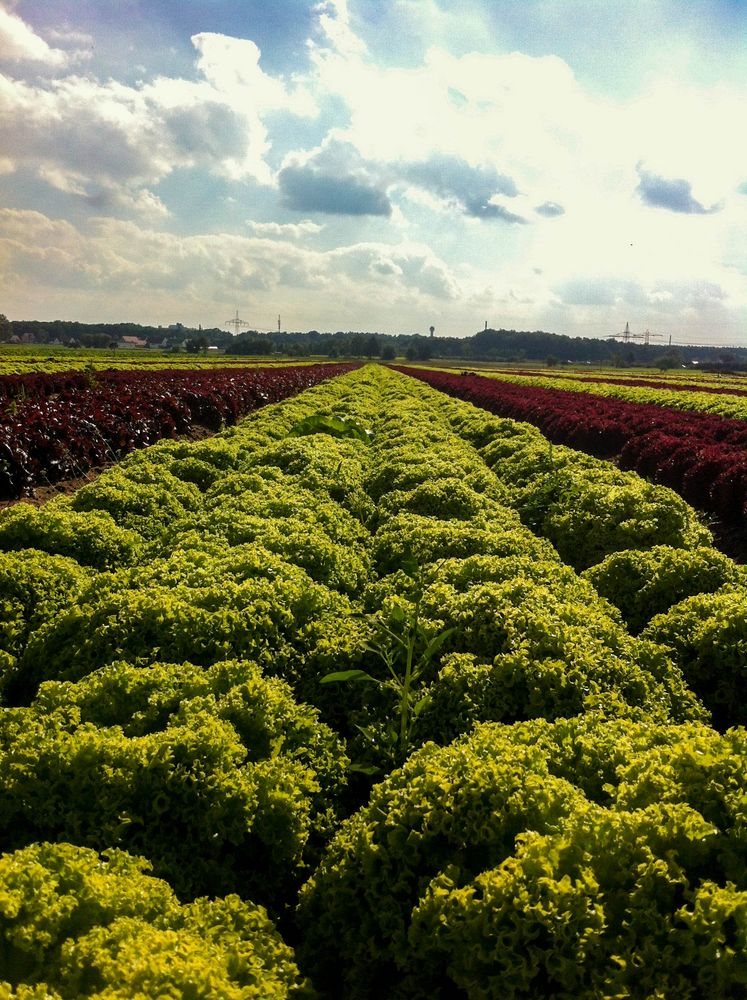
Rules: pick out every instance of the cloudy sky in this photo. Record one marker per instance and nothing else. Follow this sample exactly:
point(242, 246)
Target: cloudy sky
point(568, 165)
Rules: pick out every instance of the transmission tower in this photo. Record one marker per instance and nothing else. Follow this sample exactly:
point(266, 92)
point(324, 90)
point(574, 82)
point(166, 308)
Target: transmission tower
point(626, 335)
point(236, 323)
point(647, 336)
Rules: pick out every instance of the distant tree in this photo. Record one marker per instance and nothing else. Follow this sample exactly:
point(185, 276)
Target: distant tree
point(372, 348)
point(423, 349)
point(551, 361)
point(196, 344)
point(333, 352)
point(358, 344)
point(388, 352)
point(95, 339)
point(727, 360)
point(252, 346)
point(672, 359)
point(6, 330)
point(411, 353)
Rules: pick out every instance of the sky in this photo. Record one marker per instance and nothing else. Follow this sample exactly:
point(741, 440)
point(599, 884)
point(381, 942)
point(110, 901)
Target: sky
point(389, 165)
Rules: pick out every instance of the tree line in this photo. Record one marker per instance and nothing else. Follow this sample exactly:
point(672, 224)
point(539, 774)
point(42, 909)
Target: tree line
point(496, 345)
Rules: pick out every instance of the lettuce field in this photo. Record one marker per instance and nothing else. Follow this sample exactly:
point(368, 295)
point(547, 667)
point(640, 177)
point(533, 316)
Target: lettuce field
point(692, 438)
point(374, 694)
point(58, 426)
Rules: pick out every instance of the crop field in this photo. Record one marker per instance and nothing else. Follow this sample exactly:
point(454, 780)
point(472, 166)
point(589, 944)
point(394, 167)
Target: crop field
point(373, 694)
point(691, 440)
point(47, 360)
point(58, 427)
point(684, 391)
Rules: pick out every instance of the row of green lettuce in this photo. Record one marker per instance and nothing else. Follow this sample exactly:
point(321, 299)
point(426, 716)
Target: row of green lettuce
point(720, 404)
point(682, 376)
point(28, 362)
point(399, 690)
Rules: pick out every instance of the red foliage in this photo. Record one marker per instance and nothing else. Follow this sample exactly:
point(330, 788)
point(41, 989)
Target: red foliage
point(701, 456)
point(55, 427)
point(643, 383)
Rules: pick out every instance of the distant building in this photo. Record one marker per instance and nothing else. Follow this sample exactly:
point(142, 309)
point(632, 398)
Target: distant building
point(132, 342)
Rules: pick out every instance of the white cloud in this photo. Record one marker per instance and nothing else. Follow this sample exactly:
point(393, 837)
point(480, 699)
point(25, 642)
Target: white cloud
point(529, 118)
point(288, 230)
point(115, 261)
point(19, 42)
point(681, 131)
point(231, 65)
point(425, 175)
point(334, 23)
point(97, 139)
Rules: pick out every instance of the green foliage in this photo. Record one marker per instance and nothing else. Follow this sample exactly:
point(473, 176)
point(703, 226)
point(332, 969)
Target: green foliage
point(306, 529)
point(272, 619)
point(140, 497)
point(406, 647)
point(529, 650)
point(412, 466)
point(267, 492)
point(707, 635)
point(335, 426)
point(195, 470)
point(34, 586)
point(505, 437)
point(217, 776)
point(415, 538)
point(558, 901)
point(585, 507)
point(73, 924)
point(448, 498)
point(565, 855)
point(301, 541)
point(222, 451)
point(644, 584)
point(586, 516)
point(322, 464)
point(579, 858)
point(519, 454)
point(92, 539)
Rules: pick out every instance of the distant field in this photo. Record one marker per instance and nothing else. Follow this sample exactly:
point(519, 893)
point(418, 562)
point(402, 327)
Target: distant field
point(21, 360)
point(586, 370)
point(725, 396)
